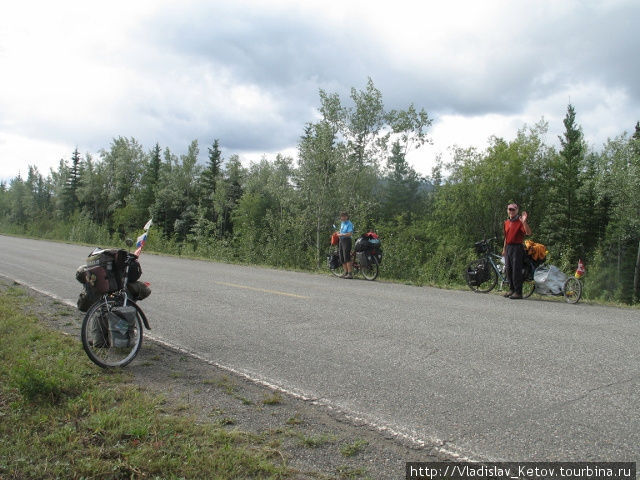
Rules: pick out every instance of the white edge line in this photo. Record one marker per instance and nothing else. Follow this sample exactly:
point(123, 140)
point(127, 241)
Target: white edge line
point(353, 416)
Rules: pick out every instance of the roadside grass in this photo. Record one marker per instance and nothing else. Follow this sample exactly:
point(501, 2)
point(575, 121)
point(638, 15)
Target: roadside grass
point(315, 441)
point(62, 417)
point(272, 399)
point(346, 472)
point(352, 449)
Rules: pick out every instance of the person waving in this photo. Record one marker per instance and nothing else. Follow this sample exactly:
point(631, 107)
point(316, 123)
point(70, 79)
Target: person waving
point(515, 229)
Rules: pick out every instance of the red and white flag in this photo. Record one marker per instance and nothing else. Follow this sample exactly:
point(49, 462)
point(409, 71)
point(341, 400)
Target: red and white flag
point(142, 239)
point(580, 271)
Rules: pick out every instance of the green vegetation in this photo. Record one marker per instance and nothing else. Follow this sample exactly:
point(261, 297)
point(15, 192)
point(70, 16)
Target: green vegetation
point(315, 441)
point(60, 417)
point(350, 472)
point(272, 399)
point(352, 449)
point(582, 203)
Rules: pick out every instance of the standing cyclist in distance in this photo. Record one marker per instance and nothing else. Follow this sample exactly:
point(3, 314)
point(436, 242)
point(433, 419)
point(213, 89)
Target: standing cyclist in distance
point(345, 234)
point(515, 229)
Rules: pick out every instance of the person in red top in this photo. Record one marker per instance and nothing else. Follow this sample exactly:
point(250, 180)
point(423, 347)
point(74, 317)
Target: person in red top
point(515, 229)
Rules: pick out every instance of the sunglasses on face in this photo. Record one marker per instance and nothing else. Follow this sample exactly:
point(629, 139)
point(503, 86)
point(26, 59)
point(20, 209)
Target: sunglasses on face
point(512, 209)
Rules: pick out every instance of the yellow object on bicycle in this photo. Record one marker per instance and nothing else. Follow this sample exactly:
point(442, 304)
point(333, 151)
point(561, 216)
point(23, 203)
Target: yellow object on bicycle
point(537, 251)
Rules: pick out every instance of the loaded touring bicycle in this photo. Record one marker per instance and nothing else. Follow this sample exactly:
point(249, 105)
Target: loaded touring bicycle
point(112, 326)
point(486, 272)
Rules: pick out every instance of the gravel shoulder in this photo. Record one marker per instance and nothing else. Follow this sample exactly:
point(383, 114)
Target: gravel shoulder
point(314, 440)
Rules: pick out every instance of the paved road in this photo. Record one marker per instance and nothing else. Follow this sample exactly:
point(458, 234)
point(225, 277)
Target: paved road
point(482, 376)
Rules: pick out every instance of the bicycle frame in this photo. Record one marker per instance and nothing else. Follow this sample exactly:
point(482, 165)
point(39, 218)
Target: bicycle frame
point(125, 301)
point(498, 266)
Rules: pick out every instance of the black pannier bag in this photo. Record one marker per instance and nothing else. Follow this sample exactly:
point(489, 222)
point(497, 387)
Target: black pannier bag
point(333, 261)
point(362, 244)
point(135, 271)
point(138, 290)
point(362, 259)
point(375, 247)
point(529, 266)
point(87, 297)
point(367, 242)
point(374, 243)
point(481, 247)
point(478, 274)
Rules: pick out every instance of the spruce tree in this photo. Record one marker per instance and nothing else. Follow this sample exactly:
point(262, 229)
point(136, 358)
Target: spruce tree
point(228, 193)
point(149, 181)
point(212, 170)
point(154, 165)
point(72, 182)
point(209, 179)
point(566, 214)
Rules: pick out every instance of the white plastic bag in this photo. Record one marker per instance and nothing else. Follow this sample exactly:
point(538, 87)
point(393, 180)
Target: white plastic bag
point(549, 280)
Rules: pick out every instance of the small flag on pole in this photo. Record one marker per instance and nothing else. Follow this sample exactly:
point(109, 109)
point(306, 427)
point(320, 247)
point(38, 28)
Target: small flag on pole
point(580, 271)
point(142, 239)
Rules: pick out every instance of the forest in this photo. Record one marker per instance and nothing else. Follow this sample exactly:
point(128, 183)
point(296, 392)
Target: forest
point(582, 203)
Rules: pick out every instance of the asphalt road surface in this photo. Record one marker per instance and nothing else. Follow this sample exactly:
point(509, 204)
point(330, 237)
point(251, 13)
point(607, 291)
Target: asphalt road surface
point(480, 376)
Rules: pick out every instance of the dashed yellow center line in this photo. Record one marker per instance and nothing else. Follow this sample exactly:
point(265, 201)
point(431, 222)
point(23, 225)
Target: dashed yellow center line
point(264, 290)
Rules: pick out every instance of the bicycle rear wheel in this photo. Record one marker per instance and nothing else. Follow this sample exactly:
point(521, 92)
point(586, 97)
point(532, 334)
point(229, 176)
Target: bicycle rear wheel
point(572, 290)
point(370, 272)
point(528, 287)
point(481, 276)
point(103, 344)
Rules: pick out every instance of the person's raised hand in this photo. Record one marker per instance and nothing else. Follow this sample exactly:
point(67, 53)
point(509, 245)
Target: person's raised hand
point(524, 216)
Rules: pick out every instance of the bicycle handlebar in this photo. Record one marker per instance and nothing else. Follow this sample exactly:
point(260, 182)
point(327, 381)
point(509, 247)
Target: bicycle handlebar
point(489, 240)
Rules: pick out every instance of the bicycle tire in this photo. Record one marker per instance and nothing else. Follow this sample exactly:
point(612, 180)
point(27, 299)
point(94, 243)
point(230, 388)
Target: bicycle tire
point(99, 350)
point(338, 271)
point(528, 287)
point(572, 290)
point(486, 286)
point(371, 271)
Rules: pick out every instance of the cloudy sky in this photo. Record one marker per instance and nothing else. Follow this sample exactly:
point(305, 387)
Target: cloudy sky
point(248, 72)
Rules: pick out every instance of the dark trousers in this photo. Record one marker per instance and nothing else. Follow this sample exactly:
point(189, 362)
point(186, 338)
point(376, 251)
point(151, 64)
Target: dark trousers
point(513, 266)
point(345, 250)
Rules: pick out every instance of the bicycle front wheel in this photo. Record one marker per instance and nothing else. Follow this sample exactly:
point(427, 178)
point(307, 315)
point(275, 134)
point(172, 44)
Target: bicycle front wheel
point(572, 290)
point(105, 346)
point(334, 265)
point(370, 272)
point(481, 276)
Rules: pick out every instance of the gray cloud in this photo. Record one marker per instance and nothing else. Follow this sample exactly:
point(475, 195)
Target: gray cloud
point(181, 63)
point(292, 55)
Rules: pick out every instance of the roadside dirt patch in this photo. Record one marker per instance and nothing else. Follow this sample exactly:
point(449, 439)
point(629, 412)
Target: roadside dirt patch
point(315, 441)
